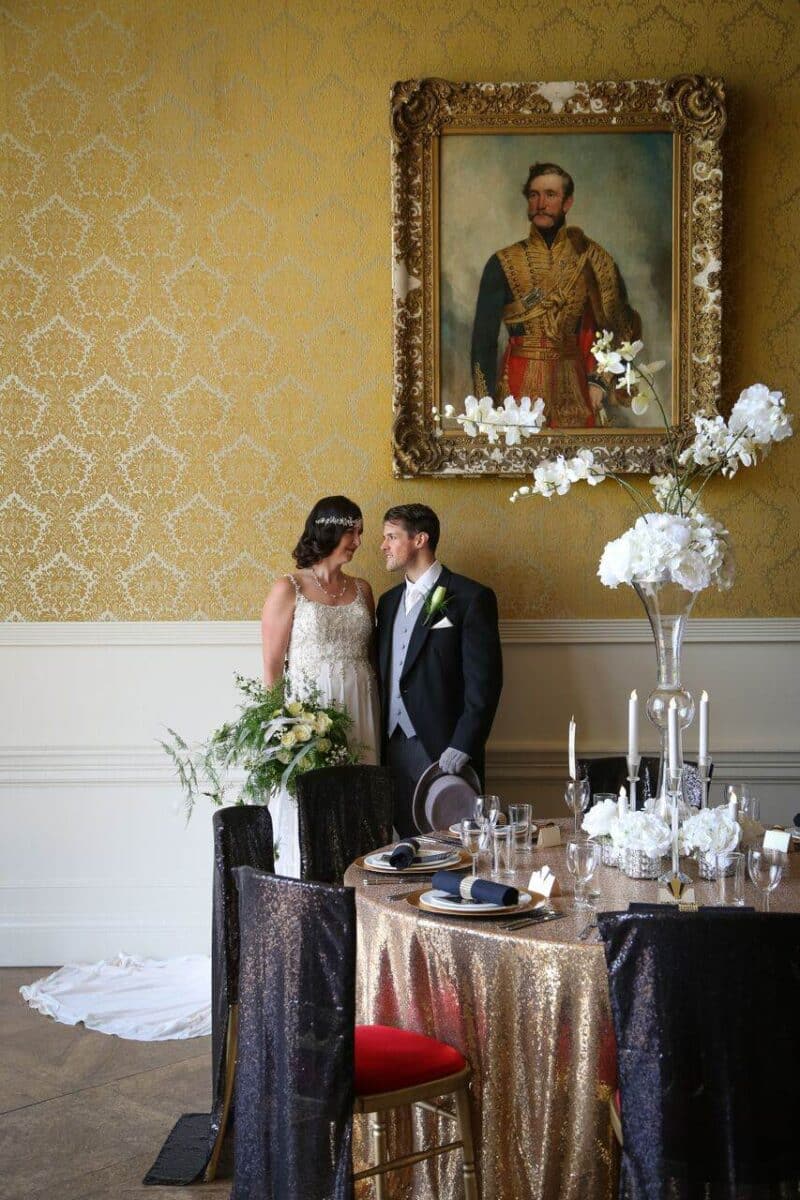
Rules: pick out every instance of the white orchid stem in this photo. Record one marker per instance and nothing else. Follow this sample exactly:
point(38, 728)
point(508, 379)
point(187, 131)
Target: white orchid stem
point(673, 453)
point(644, 505)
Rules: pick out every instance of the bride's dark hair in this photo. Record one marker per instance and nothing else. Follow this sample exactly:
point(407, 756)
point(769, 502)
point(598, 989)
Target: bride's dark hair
point(328, 520)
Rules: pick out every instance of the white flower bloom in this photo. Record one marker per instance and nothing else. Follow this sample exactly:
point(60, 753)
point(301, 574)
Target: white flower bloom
point(691, 571)
point(514, 420)
point(597, 821)
point(609, 361)
point(615, 563)
point(762, 414)
point(691, 551)
point(449, 411)
point(640, 402)
point(713, 830)
point(629, 350)
point(603, 341)
point(641, 831)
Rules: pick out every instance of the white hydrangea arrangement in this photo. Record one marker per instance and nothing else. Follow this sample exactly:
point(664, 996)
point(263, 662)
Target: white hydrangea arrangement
point(710, 831)
point(597, 821)
point(673, 538)
point(641, 831)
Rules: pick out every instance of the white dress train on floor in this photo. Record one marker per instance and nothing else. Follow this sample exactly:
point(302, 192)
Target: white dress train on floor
point(143, 999)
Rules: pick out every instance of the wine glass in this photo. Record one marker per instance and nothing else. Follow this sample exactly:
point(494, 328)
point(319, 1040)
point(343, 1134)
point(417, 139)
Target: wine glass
point(490, 808)
point(471, 840)
point(583, 859)
point(765, 868)
point(576, 795)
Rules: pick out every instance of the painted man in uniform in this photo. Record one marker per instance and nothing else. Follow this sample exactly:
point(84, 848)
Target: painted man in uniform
point(555, 290)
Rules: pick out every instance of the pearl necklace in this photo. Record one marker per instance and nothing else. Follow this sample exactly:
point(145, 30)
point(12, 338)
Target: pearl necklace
point(322, 588)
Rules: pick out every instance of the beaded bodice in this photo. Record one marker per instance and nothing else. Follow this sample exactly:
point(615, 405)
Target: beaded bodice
point(328, 634)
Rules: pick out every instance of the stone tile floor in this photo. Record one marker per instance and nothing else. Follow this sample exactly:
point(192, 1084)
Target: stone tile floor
point(83, 1115)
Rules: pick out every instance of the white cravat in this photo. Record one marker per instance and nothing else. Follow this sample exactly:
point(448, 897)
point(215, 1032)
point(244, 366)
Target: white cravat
point(419, 589)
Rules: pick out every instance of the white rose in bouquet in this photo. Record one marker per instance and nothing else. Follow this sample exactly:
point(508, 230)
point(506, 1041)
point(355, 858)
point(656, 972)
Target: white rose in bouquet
point(597, 821)
point(641, 831)
point(322, 722)
point(711, 831)
point(303, 733)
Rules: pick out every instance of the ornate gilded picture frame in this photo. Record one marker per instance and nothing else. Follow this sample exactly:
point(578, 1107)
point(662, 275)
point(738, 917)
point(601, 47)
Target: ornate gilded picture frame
point(528, 218)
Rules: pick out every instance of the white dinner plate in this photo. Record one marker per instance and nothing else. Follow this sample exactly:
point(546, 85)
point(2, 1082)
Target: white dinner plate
point(456, 829)
point(443, 902)
point(426, 860)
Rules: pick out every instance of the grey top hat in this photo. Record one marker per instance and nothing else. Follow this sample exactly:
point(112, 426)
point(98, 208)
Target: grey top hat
point(441, 799)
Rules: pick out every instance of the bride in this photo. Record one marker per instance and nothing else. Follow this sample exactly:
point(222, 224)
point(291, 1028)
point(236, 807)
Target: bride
point(317, 628)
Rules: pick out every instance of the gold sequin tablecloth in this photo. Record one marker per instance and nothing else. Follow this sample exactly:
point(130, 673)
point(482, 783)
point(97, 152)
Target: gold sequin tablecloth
point(530, 1010)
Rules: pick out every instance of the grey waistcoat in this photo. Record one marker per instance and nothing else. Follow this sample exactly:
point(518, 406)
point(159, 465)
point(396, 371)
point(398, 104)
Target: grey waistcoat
point(401, 635)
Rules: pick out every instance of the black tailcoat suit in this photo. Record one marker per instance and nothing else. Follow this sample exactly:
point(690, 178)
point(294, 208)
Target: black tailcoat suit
point(452, 677)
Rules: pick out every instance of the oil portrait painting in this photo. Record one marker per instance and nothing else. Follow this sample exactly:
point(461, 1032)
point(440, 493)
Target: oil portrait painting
point(531, 220)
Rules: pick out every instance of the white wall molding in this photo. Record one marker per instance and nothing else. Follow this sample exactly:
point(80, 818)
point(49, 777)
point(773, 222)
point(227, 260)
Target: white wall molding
point(79, 634)
point(144, 766)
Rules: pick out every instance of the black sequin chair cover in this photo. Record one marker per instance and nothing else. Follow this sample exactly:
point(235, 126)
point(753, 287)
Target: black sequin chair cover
point(610, 774)
point(343, 812)
point(705, 1011)
point(294, 1078)
point(242, 837)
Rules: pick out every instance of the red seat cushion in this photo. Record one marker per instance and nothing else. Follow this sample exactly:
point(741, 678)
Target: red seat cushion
point(389, 1059)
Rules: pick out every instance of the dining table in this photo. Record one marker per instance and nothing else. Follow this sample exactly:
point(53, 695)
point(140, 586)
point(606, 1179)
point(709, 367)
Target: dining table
point(529, 1009)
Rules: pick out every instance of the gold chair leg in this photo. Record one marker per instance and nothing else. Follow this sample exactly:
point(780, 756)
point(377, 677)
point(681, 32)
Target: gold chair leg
point(465, 1133)
point(377, 1127)
point(231, 1043)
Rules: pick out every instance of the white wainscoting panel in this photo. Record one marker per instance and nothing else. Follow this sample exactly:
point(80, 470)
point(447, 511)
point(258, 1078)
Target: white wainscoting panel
point(96, 856)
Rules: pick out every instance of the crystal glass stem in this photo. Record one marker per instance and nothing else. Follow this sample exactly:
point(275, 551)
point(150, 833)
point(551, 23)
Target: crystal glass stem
point(668, 606)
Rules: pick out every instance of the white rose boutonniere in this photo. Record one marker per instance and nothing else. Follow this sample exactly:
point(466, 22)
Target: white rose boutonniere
point(436, 603)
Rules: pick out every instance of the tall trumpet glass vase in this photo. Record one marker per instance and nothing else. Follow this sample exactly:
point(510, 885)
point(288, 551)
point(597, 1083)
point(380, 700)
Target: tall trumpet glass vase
point(668, 606)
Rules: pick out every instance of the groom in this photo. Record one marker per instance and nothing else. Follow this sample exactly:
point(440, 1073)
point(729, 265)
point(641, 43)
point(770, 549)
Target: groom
point(439, 658)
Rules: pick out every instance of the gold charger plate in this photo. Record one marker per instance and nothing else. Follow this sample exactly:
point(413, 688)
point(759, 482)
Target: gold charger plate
point(413, 899)
point(464, 860)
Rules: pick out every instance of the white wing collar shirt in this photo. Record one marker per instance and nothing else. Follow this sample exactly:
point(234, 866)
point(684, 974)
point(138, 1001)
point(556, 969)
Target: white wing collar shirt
point(423, 586)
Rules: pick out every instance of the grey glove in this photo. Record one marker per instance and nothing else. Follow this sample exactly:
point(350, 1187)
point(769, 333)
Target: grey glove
point(452, 760)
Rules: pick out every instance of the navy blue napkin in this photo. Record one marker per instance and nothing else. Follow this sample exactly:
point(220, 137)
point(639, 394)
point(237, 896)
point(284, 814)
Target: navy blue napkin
point(482, 889)
point(404, 853)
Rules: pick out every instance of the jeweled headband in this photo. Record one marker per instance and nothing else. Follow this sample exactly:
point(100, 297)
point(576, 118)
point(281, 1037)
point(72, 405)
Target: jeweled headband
point(348, 522)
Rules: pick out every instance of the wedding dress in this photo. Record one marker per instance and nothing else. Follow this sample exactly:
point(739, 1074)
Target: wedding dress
point(151, 1000)
point(329, 649)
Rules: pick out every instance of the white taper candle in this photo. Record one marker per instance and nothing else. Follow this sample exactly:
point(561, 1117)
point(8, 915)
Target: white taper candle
point(702, 753)
point(672, 734)
point(573, 766)
point(633, 725)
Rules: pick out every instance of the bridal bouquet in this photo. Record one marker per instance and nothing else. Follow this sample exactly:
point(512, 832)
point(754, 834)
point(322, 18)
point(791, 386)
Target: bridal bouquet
point(274, 739)
point(673, 537)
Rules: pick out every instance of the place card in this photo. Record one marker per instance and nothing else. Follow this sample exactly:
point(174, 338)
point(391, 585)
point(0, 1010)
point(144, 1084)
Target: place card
point(777, 839)
point(544, 883)
point(549, 835)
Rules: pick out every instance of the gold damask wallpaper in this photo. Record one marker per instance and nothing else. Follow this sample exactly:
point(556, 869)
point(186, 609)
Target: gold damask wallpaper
point(195, 296)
